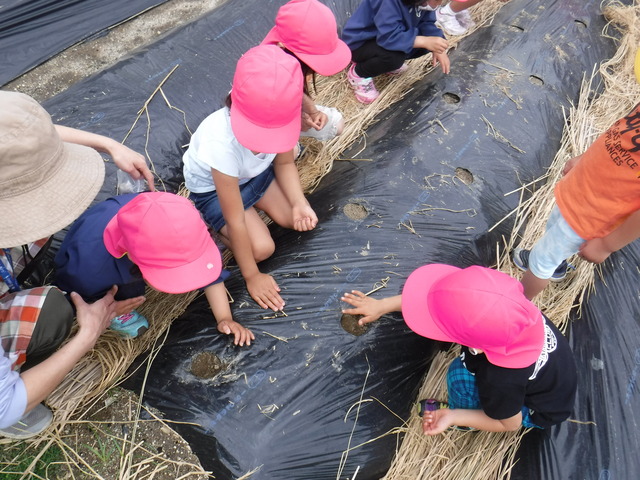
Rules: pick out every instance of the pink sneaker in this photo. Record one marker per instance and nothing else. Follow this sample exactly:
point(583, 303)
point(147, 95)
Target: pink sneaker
point(400, 71)
point(364, 88)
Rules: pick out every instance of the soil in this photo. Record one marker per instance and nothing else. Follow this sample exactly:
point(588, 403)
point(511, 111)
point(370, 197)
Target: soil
point(108, 435)
point(465, 175)
point(355, 211)
point(99, 435)
point(88, 57)
point(350, 324)
point(206, 365)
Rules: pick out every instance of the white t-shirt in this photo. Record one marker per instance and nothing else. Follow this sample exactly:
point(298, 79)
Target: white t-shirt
point(213, 145)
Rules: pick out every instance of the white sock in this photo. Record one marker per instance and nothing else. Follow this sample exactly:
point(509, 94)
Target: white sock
point(447, 10)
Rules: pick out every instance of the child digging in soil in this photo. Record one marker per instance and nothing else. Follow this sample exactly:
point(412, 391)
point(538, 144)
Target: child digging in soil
point(597, 209)
point(382, 34)
point(153, 237)
point(241, 158)
point(515, 367)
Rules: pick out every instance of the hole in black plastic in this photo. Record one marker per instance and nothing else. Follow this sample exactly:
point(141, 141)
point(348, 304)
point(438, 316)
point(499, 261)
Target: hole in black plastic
point(536, 80)
point(582, 23)
point(465, 175)
point(516, 28)
point(355, 211)
point(206, 365)
point(350, 324)
point(451, 98)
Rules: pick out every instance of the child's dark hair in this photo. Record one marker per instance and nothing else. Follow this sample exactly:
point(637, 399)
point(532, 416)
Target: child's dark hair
point(306, 71)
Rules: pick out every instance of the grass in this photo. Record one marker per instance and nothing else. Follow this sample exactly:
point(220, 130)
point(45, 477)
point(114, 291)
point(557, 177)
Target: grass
point(16, 458)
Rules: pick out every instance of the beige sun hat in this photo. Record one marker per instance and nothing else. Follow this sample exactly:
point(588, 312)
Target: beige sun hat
point(45, 183)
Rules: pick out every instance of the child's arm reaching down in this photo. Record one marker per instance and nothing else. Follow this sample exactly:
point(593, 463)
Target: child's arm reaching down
point(217, 298)
point(437, 421)
point(370, 308)
point(597, 250)
point(438, 48)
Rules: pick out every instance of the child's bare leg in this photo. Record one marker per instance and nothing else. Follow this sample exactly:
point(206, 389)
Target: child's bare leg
point(532, 284)
point(275, 204)
point(262, 244)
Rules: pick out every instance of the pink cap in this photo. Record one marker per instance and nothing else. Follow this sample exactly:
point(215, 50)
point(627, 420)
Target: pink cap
point(478, 307)
point(309, 30)
point(266, 100)
point(164, 235)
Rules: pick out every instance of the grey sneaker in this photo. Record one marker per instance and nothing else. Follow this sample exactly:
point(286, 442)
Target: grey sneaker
point(521, 260)
point(30, 425)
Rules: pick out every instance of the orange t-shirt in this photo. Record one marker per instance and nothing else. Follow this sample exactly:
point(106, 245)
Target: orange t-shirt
point(603, 188)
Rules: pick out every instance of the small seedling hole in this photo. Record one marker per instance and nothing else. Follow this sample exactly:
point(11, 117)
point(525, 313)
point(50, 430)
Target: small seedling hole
point(536, 80)
point(451, 98)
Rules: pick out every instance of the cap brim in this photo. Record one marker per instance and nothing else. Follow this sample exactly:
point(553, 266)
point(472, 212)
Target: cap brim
point(201, 272)
point(56, 203)
point(415, 303)
point(330, 63)
point(265, 140)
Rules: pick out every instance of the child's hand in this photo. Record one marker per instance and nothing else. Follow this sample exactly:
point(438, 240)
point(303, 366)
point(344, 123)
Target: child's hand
point(304, 218)
point(436, 44)
point(594, 250)
point(316, 120)
point(443, 60)
point(369, 307)
point(241, 335)
point(264, 290)
point(131, 162)
point(570, 164)
point(437, 421)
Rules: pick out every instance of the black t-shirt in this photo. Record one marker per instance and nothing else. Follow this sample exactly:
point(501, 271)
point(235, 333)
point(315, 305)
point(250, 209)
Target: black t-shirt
point(547, 387)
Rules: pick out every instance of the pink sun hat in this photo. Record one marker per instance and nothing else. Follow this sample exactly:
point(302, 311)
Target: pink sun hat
point(308, 29)
point(164, 235)
point(266, 100)
point(477, 307)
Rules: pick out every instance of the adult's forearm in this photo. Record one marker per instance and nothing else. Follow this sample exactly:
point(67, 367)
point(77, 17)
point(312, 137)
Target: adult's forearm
point(43, 378)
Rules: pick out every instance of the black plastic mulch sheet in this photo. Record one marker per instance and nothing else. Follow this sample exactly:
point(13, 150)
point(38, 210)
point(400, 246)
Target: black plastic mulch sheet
point(32, 31)
point(606, 344)
point(305, 399)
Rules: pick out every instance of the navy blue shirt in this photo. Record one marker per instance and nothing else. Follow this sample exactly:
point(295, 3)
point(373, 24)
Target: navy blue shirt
point(393, 25)
point(84, 265)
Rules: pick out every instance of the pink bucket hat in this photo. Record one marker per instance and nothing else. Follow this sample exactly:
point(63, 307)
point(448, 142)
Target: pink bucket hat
point(478, 307)
point(266, 100)
point(164, 235)
point(309, 30)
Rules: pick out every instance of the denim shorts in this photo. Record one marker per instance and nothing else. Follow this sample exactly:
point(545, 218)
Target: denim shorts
point(558, 243)
point(463, 392)
point(252, 191)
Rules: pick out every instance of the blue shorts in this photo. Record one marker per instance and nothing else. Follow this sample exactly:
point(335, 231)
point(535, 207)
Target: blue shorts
point(558, 243)
point(463, 391)
point(252, 191)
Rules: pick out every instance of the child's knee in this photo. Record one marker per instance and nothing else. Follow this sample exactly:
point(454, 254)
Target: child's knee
point(263, 248)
